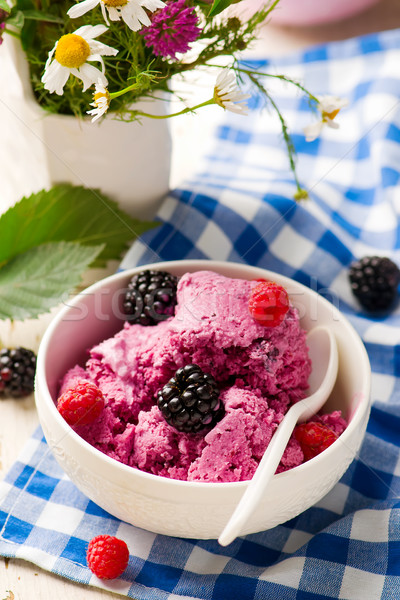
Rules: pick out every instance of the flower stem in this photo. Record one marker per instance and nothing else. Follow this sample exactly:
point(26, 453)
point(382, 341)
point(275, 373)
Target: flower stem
point(284, 78)
point(301, 193)
point(176, 114)
point(11, 32)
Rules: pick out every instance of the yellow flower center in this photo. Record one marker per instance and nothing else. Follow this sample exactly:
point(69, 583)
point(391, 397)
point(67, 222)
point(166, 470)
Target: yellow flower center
point(217, 98)
point(115, 3)
point(330, 115)
point(72, 51)
point(98, 96)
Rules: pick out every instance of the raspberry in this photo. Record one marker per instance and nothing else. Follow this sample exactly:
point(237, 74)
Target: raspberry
point(81, 404)
point(314, 438)
point(17, 371)
point(107, 556)
point(190, 400)
point(268, 303)
point(150, 298)
point(374, 281)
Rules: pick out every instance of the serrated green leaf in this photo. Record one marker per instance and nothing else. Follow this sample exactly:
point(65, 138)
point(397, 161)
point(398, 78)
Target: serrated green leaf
point(68, 213)
point(40, 278)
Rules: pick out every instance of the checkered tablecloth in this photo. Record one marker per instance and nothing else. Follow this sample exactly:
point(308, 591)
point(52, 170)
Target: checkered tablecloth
point(239, 208)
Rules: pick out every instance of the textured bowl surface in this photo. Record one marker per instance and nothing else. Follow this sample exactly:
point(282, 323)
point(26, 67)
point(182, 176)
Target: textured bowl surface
point(193, 509)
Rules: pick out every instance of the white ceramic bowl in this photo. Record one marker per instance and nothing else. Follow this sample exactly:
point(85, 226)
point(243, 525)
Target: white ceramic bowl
point(194, 509)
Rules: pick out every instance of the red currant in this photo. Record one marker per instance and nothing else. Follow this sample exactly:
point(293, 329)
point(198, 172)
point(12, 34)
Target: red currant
point(268, 303)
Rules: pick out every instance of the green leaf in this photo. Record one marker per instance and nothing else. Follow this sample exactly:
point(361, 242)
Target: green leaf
point(4, 6)
point(37, 280)
point(68, 213)
point(218, 6)
point(38, 15)
point(16, 19)
point(28, 33)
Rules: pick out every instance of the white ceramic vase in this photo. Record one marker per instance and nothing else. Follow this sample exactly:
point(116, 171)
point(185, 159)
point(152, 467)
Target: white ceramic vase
point(130, 162)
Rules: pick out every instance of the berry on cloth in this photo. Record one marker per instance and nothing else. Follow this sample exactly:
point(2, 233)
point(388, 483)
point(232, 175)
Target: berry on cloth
point(190, 400)
point(314, 438)
point(150, 297)
point(268, 303)
point(81, 404)
point(374, 281)
point(107, 556)
point(17, 371)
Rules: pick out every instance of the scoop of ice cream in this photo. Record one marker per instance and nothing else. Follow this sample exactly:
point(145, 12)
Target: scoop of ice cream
point(260, 371)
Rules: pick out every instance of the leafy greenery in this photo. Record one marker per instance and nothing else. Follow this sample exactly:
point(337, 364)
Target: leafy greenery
point(35, 281)
point(135, 64)
point(68, 213)
point(136, 71)
point(47, 240)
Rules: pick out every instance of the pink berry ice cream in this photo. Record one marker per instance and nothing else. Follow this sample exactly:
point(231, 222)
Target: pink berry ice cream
point(260, 371)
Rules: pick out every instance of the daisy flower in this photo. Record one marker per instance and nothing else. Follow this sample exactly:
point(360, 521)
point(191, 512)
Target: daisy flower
point(329, 107)
point(132, 12)
point(71, 56)
point(101, 101)
point(227, 93)
point(172, 29)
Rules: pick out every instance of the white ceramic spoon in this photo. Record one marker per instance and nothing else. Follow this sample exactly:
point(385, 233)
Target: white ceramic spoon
point(324, 357)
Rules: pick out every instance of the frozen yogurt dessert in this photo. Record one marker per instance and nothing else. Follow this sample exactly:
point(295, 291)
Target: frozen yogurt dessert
point(194, 388)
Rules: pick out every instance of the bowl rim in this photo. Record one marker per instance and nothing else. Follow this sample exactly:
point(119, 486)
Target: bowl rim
point(192, 266)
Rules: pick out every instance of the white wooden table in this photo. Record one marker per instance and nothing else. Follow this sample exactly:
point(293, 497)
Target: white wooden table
point(18, 418)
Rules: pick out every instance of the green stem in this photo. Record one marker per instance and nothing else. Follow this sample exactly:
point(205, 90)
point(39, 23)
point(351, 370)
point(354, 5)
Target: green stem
point(11, 32)
point(124, 91)
point(284, 78)
point(300, 194)
point(177, 114)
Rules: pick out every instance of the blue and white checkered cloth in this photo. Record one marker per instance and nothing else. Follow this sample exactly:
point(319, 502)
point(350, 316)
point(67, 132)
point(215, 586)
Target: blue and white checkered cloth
point(239, 208)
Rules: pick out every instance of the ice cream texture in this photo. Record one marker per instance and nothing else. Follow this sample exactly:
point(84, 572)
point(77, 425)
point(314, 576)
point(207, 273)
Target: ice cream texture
point(260, 372)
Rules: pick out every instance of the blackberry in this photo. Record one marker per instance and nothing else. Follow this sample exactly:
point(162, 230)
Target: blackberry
point(17, 371)
point(150, 297)
point(190, 400)
point(374, 281)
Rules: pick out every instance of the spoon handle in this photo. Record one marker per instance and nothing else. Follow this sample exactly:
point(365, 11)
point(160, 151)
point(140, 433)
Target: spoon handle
point(261, 478)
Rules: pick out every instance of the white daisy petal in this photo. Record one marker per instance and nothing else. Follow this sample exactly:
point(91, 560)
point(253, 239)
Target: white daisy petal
point(114, 13)
point(104, 12)
point(152, 5)
point(331, 123)
point(81, 8)
point(101, 101)
point(135, 17)
point(90, 31)
point(55, 78)
point(329, 107)
point(227, 94)
point(313, 130)
point(236, 108)
point(56, 73)
point(96, 112)
point(51, 54)
point(224, 76)
point(99, 48)
point(329, 104)
point(89, 74)
point(97, 58)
